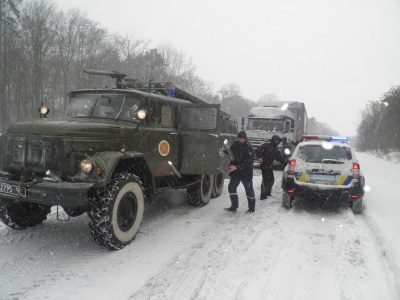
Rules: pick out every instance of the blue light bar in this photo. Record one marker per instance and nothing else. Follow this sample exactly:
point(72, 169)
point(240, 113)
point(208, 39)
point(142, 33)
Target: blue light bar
point(339, 139)
point(171, 92)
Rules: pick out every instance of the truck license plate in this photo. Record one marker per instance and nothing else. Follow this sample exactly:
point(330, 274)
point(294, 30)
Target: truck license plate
point(12, 189)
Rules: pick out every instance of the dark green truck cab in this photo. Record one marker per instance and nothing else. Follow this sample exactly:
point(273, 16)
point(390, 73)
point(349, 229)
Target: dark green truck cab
point(111, 153)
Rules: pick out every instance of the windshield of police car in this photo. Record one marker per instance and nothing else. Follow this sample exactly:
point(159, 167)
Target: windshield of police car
point(106, 106)
point(266, 125)
point(320, 154)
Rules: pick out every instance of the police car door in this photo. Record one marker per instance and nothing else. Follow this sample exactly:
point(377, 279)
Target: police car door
point(198, 138)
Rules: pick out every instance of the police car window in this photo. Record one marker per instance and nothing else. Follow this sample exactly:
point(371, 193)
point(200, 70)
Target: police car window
point(316, 153)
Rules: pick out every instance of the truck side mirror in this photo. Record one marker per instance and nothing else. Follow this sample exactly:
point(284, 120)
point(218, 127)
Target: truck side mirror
point(242, 123)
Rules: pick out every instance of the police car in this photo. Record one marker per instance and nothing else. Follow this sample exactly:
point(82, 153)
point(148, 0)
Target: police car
point(324, 168)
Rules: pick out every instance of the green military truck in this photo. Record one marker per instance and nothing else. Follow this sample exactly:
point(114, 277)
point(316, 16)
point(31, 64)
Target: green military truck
point(114, 150)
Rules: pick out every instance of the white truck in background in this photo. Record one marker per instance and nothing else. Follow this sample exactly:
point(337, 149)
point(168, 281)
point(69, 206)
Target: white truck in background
point(283, 118)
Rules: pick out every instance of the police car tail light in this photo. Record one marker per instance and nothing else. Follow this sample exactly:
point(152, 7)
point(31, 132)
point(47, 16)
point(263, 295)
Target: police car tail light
point(356, 171)
point(292, 164)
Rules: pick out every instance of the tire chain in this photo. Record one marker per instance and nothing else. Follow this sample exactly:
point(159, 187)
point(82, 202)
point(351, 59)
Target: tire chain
point(99, 202)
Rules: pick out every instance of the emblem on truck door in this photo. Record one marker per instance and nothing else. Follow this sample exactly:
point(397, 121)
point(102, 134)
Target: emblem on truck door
point(163, 148)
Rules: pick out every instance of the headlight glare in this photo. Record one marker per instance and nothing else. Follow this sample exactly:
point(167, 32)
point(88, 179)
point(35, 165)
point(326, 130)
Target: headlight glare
point(86, 166)
point(44, 110)
point(141, 114)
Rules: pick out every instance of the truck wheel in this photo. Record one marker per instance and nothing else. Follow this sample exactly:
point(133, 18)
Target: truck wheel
point(116, 211)
point(75, 211)
point(218, 185)
point(358, 206)
point(21, 215)
point(199, 194)
point(286, 200)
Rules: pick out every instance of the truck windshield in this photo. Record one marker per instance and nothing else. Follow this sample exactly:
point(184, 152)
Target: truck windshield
point(266, 125)
point(106, 106)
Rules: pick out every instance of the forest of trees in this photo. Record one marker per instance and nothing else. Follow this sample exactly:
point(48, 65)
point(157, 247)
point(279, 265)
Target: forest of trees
point(43, 52)
point(379, 128)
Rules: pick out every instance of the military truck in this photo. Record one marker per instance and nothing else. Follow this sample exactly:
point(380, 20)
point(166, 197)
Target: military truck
point(114, 150)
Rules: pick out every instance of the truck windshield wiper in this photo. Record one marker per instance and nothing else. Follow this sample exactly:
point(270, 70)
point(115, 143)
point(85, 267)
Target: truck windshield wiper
point(122, 107)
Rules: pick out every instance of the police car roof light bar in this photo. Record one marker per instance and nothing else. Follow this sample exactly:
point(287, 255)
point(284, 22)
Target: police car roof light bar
point(342, 139)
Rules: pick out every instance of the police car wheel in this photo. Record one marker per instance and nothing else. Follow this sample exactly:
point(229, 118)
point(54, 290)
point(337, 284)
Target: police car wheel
point(116, 211)
point(218, 185)
point(199, 194)
point(358, 206)
point(286, 200)
point(22, 215)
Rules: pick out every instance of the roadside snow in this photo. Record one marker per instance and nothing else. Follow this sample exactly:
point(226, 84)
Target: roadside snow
point(184, 252)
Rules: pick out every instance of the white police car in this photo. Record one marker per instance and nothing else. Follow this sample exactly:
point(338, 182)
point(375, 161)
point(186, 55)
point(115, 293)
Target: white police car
point(325, 168)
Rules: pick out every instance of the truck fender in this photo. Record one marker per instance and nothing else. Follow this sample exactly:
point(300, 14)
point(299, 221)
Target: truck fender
point(112, 161)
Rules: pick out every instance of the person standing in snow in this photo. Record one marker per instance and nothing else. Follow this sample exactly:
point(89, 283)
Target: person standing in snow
point(286, 150)
point(267, 155)
point(241, 170)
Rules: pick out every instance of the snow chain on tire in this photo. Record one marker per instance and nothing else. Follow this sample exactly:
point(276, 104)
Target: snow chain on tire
point(22, 215)
point(116, 211)
point(218, 185)
point(200, 193)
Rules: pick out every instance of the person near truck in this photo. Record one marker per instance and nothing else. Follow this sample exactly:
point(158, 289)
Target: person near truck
point(241, 171)
point(267, 155)
point(286, 150)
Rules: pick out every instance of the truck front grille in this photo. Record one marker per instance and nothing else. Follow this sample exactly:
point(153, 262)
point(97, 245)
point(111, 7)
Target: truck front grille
point(31, 154)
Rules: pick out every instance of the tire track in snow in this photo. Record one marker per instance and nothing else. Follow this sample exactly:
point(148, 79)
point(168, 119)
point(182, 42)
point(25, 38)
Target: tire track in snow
point(209, 262)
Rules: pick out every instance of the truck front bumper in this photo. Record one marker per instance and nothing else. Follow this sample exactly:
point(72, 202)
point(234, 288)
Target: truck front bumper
point(48, 193)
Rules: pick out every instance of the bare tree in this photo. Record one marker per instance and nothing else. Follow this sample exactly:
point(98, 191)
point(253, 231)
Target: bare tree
point(178, 67)
point(9, 15)
point(267, 98)
point(367, 130)
point(38, 31)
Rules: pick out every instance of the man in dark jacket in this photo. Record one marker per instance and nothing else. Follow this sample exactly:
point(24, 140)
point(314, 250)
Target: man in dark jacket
point(267, 154)
point(286, 149)
point(241, 170)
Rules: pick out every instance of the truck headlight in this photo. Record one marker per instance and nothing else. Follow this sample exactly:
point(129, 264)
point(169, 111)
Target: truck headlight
point(141, 114)
point(43, 111)
point(86, 166)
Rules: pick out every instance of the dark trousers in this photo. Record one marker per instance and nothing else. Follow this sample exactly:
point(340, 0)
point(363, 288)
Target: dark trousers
point(248, 187)
point(268, 180)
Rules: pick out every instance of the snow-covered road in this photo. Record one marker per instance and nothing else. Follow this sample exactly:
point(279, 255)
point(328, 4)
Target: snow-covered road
point(183, 252)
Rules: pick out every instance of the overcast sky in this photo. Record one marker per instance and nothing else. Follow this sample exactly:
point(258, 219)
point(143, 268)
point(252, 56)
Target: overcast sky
point(333, 55)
